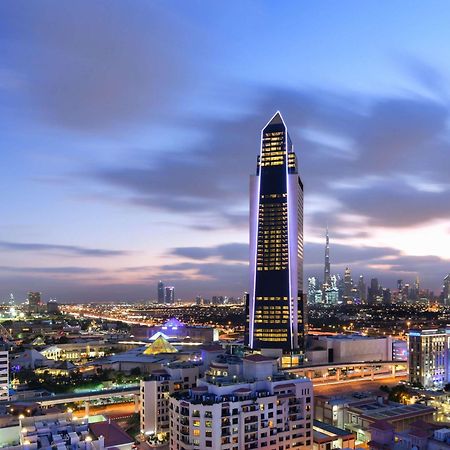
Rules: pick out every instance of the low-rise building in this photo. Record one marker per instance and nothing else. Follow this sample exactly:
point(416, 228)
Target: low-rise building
point(349, 348)
point(420, 436)
point(357, 415)
point(62, 431)
point(326, 437)
point(76, 351)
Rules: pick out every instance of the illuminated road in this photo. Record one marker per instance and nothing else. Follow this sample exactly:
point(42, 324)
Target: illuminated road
point(111, 411)
point(356, 386)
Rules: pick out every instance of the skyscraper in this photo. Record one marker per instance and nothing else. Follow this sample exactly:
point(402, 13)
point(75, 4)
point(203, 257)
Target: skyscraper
point(446, 291)
point(327, 274)
point(169, 294)
point(34, 302)
point(348, 285)
point(362, 289)
point(276, 310)
point(160, 292)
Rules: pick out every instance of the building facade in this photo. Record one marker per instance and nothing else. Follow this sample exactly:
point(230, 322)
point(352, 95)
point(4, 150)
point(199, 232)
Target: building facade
point(155, 391)
point(260, 409)
point(169, 294)
point(4, 374)
point(429, 357)
point(276, 309)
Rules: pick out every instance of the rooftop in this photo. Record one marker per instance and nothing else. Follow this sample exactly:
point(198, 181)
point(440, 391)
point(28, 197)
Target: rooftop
point(113, 434)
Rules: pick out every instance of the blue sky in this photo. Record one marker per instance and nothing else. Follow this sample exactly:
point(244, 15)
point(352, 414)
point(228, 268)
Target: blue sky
point(128, 131)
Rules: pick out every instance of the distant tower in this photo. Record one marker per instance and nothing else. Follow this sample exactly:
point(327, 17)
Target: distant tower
point(327, 272)
point(169, 294)
point(446, 291)
point(34, 302)
point(161, 292)
point(348, 284)
point(362, 289)
point(276, 318)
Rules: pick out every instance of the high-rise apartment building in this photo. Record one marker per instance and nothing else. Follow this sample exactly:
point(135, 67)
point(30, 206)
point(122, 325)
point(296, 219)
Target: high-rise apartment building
point(169, 294)
point(155, 391)
point(161, 292)
point(276, 309)
point(429, 357)
point(257, 408)
point(4, 373)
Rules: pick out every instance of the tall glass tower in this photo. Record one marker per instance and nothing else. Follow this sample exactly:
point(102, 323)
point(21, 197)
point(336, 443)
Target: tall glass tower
point(327, 274)
point(275, 304)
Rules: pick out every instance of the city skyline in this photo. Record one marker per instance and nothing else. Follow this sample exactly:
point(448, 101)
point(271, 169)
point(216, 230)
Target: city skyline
point(135, 174)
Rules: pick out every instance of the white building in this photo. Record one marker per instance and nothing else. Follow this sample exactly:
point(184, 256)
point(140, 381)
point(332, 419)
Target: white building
point(263, 408)
point(349, 348)
point(4, 375)
point(155, 391)
point(429, 355)
point(61, 431)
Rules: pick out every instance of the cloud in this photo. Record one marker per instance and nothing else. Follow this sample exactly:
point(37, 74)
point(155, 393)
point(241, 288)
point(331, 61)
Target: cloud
point(355, 153)
point(95, 66)
point(52, 270)
point(230, 252)
point(71, 250)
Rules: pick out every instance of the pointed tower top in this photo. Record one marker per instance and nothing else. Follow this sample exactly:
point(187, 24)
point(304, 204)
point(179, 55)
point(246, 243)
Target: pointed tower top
point(276, 119)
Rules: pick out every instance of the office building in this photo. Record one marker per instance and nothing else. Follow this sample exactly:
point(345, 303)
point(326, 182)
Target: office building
point(429, 357)
point(161, 292)
point(276, 310)
point(257, 408)
point(169, 295)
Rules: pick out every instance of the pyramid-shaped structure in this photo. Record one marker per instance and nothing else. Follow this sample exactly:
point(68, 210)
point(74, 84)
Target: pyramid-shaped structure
point(159, 334)
point(160, 345)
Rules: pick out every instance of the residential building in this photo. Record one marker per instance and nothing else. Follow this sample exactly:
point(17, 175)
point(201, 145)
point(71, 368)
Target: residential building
point(156, 389)
point(260, 408)
point(4, 374)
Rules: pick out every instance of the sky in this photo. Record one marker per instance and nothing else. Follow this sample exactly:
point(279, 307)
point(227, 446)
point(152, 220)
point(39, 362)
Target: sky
point(129, 129)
